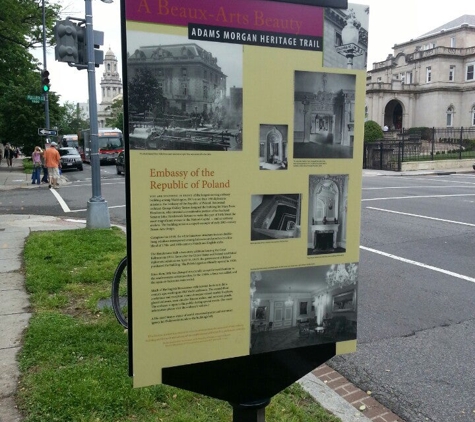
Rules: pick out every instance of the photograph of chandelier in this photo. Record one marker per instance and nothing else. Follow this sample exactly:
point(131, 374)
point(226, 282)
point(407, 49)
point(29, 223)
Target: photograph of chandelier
point(341, 275)
point(303, 306)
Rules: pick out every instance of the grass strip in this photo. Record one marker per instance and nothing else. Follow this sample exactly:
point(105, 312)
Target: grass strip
point(74, 357)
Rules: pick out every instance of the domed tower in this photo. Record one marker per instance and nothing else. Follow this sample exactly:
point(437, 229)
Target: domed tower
point(111, 84)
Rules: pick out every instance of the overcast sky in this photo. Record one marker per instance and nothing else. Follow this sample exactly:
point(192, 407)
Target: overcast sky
point(389, 23)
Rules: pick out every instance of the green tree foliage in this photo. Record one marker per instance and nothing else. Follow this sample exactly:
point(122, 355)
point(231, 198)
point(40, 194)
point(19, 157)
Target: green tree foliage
point(20, 30)
point(72, 119)
point(372, 131)
point(117, 114)
point(144, 93)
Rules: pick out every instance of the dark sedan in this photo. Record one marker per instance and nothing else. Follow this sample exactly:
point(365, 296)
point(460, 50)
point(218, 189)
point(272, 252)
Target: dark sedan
point(70, 158)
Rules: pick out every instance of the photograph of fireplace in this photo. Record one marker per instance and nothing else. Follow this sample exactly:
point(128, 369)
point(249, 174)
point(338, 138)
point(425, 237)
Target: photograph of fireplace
point(327, 214)
point(324, 115)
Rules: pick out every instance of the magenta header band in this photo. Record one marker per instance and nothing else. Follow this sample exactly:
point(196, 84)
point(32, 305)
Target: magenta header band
point(258, 15)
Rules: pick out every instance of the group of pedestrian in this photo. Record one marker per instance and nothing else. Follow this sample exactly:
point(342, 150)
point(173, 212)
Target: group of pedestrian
point(50, 161)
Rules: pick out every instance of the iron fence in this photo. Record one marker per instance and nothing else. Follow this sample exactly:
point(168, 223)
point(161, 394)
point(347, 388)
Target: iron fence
point(443, 144)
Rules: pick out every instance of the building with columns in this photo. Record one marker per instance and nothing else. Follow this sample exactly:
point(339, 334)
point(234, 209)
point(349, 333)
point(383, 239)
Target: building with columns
point(428, 81)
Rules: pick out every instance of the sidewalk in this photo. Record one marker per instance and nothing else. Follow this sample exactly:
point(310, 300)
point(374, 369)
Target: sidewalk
point(14, 178)
point(329, 388)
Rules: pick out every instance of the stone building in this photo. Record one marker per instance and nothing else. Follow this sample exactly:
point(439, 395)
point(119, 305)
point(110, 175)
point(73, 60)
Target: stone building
point(428, 81)
point(111, 89)
point(189, 76)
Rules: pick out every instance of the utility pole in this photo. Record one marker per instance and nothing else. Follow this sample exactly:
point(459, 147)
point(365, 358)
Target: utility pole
point(97, 209)
point(45, 93)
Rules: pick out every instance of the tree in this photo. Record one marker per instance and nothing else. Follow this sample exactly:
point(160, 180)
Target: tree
point(117, 114)
point(72, 119)
point(145, 95)
point(372, 131)
point(21, 29)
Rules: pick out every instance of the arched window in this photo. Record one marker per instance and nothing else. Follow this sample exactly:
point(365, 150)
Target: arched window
point(450, 116)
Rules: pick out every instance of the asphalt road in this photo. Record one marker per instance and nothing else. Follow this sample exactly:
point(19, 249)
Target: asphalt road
point(417, 297)
point(416, 294)
point(71, 199)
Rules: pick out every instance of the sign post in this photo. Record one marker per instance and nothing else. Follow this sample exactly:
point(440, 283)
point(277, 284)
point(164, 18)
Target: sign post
point(47, 132)
point(243, 192)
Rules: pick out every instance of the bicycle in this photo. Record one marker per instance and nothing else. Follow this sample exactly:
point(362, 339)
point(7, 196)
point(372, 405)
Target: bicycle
point(119, 294)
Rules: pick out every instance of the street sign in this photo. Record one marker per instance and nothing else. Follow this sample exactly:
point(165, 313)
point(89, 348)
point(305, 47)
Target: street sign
point(35, 98)
point(47, 132)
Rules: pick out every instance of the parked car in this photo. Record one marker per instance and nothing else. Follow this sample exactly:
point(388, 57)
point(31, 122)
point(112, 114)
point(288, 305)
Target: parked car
point(70, 158)
point(120, 163)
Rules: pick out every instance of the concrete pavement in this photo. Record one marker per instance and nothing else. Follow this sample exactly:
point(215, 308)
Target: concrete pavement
point(329, 388)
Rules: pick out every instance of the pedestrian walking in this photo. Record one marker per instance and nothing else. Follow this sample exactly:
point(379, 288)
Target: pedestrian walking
point(2, 151)
point(36, 159)
point(53, 163)
point(8, 154)
point(45, 178)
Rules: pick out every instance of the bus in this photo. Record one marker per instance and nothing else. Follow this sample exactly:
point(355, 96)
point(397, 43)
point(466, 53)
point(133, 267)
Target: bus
point(70, 140)
point(111, 143)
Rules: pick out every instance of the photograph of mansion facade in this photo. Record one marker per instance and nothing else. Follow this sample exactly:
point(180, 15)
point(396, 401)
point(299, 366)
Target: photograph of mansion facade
point(428, 81)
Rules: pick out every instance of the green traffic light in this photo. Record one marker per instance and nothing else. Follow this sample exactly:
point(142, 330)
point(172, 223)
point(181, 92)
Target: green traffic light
point(45, 88)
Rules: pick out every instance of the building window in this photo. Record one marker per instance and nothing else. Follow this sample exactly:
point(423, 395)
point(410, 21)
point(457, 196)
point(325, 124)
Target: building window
point(473, 115)
point(408, 77)
point(183, 89)
point(205, 92)
point(184, 72)
point(338, 39)
point(452, 73)
point(378, 79)
point(469, 74)
point(428, 74)
point(205, 75)
point(450, 116)
point(452, 42)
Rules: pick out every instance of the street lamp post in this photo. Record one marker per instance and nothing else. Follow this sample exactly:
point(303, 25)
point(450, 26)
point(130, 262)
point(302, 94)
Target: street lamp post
point(97, 209)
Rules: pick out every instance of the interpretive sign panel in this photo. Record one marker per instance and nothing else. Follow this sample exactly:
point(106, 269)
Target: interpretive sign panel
point(245, 132)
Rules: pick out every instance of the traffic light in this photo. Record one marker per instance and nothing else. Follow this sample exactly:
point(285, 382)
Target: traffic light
point(65, 34)
point(45, 81)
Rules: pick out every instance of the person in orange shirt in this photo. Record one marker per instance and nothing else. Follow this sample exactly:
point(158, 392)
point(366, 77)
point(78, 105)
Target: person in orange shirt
point(53, 163)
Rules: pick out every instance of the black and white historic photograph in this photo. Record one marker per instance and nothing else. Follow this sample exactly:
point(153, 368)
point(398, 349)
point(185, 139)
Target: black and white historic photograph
point(327, 214)
point(345, 37)
point(275, 216)
point(305, 306)
point(324, 115)
point(273, 147)
point(183, 95)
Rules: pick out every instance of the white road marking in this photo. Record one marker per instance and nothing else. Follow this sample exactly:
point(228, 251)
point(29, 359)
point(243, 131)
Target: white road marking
point(417, 197)
point(421, 216)
point(419, 264)
point(415, 187)
point(85, 209)
point(63, 204)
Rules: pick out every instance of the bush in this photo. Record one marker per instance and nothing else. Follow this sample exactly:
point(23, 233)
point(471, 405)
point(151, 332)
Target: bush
point(372, 131)
point(425, 132)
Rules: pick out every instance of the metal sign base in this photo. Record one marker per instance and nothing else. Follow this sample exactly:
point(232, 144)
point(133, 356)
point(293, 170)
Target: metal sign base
point(250, 412)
